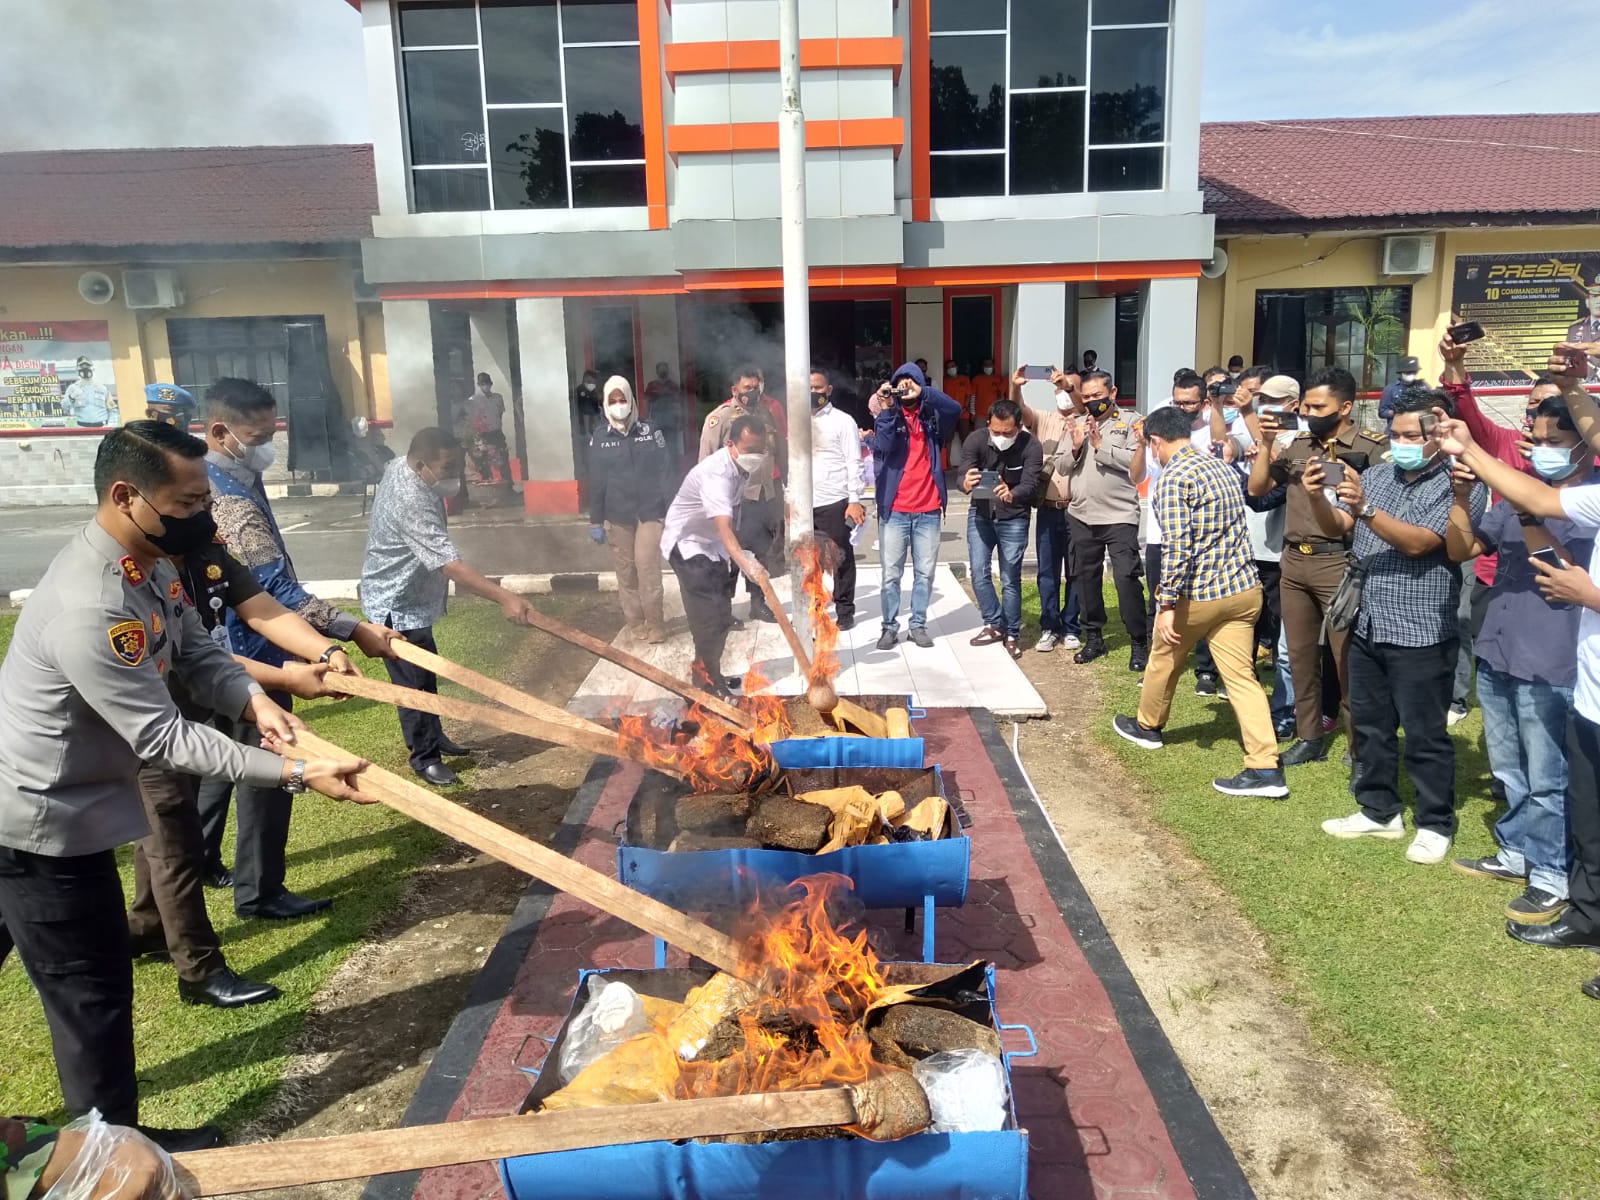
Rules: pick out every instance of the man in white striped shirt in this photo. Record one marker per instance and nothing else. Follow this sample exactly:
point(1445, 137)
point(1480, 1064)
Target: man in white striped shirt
point(837, 481)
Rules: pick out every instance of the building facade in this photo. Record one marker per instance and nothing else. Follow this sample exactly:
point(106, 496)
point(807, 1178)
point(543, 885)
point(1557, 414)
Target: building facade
point(567, 186)
point(121, 268)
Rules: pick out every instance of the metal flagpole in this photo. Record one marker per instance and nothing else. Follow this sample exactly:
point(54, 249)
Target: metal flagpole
point(796, 302)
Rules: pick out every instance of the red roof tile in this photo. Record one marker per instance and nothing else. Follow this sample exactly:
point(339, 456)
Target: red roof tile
point(224, 195)
point(1260, 175)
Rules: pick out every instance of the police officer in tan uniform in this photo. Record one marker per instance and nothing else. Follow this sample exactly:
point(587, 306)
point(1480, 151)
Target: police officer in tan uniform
point(1313, 564)
point(761, 510)
point(83, 701)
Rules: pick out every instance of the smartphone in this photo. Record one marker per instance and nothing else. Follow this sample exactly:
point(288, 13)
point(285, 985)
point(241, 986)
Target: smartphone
point(1285, 420)
point(1548, 556)
point(1467, 331)
point(1035, 372)
point(1332, 474)
point(986, 482)
point(1429, 423)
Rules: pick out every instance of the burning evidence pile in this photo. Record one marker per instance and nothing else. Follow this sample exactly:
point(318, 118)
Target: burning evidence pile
point(811, 1007)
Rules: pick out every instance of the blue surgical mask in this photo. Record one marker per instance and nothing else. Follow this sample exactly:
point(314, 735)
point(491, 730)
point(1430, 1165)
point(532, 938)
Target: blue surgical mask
point(1407, 457)
point(1553, 463)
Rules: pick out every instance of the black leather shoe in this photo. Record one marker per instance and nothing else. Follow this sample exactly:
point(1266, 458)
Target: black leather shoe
point(177, 1141)
point(1090, 651)
point(1139, 658)
point(218, 877)
point(1559, 935)
point(285, 907)
point(763, 614)
point(846, 620)
point(223, 989)
point(1303, 752)
point(1592, 988)
point(436, 773)
point(453, 749)
point(148, 947)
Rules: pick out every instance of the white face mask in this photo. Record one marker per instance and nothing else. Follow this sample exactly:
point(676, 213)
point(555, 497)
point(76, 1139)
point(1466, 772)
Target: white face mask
point(1003, 441)
point(988, 370)
point(254, 458)
point(951, 372)
point(751, 464)
point(1408, 378)
point(1064, 401)
point(618, 414)
point(445, 489)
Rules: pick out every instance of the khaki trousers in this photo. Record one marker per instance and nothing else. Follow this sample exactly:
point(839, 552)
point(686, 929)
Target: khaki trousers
point(637, 549)
point(1229, 625)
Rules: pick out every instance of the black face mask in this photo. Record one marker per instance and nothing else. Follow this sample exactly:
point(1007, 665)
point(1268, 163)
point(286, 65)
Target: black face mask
point(818, 399)
point(181, 535)
point(1098, 408)
point(1323, 427)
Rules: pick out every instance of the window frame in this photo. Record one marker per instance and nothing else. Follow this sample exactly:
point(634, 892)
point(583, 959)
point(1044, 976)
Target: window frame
point(254, 348)
point(485, 107)
point(1086, 90)
point(993, 295)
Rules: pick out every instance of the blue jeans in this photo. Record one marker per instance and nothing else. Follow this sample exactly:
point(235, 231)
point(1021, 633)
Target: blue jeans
point(1010, 537)
point(898, 534)
point(1052, 542)
point(1525, 727)
point(1283, 682)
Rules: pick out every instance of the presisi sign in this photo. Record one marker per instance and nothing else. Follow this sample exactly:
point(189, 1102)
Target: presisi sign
point(1526, 304)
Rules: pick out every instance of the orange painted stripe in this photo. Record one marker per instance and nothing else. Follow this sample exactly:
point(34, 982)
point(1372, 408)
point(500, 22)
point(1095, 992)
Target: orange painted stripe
point(921, 164)
point(763, 135)
point(655, 124)
point(758, 279)
point(816, 54)
point(999, 276)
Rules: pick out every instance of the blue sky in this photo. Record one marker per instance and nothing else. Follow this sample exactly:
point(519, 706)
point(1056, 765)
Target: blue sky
point(232, 72)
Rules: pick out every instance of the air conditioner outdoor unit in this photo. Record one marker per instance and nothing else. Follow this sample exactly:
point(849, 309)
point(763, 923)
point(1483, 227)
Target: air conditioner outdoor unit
point(1409, 255)
point(151, 289)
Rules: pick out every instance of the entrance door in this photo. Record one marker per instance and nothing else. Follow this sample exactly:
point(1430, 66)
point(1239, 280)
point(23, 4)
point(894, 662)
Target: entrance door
point(1281, 333)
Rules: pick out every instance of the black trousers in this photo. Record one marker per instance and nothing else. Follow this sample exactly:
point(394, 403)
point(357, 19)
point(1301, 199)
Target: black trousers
point(423, 732)
point(66, 920)
point(707, 586)
point(829, 523)
point(169, 901)
point(1406, 688)
point(261, 835)
point(1271, 618)
point(1204, 664)
point(1583, 822)
point(761, 532)
point(1090, 544)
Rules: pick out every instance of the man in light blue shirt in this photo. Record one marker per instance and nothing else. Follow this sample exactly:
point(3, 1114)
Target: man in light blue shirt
point(406, 575)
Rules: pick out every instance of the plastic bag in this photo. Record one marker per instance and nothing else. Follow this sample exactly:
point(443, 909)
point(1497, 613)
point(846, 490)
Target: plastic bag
point(612, 1016)
point(115, 1162)
point(966, 1090)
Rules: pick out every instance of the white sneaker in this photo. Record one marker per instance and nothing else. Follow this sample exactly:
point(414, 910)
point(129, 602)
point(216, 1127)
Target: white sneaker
point(1428, 848)
point(1048, 642)
point(1358, 824)
point(1071, 642)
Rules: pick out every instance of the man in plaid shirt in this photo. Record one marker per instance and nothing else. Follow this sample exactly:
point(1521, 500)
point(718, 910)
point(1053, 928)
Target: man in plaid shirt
point(1209, 589)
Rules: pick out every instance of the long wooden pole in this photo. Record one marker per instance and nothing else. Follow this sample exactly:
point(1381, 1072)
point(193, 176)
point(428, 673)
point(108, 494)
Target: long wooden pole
point(583, 735)
point(869, 723)
point(503, 693)
point(304, 1161)
point(730, 713)
point(606, 894)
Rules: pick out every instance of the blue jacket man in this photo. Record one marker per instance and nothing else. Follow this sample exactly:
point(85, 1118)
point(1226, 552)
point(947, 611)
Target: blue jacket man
point(912, 424)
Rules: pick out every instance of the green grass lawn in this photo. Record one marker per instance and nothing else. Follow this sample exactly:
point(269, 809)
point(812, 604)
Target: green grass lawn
point(1403, 968)
point(203, 1064)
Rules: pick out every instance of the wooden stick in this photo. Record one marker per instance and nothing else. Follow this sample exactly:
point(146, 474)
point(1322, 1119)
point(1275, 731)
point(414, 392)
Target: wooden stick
point(502, 693)
point(596, 739)
point(302, 1161)
point(728, 712)
point(801, 659)
point(602, 891)
point(867, 722)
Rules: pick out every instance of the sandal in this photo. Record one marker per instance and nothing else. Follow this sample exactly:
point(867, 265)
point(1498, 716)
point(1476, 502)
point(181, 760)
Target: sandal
point(988, 636)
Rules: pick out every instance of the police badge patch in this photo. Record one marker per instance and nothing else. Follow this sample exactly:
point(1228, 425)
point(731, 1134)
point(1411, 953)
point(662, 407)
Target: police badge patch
point(128, 640)
point(213, 572)
point(174, 590)
point(661, 440)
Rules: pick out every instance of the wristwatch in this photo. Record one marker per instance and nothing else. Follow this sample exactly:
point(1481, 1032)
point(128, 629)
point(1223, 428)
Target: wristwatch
point(1166, 608)
point(1529, 520)
point(1368, 511)
point(327, 655)
point(296, 782)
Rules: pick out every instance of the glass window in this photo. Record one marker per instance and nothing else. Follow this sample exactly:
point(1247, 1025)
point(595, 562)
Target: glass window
point(971, 332)
point(536, 97)
point(605, 113)
point(1047, 143)
point(1049, 43)
point(967, 93)
point(969, 175)
point(600, 21)
point(1130, 86)
point(464, 190)
point(1363, 330)
point(521, 53)
point(529, 158)
point(1130, 12)
point(608, 187)
point(946, 16)
point(206, 349)
point(444, 106)
point(438, 24)
point(1136, 170)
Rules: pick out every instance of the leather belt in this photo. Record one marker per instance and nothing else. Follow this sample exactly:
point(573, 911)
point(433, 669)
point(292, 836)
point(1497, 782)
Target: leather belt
point(1055, 504)
point(1311, 548)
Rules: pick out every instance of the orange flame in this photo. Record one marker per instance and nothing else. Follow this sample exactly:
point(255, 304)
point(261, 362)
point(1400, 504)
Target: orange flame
point(708, 754)
point(770, 713)
point(816, 986)
point(824, 630)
